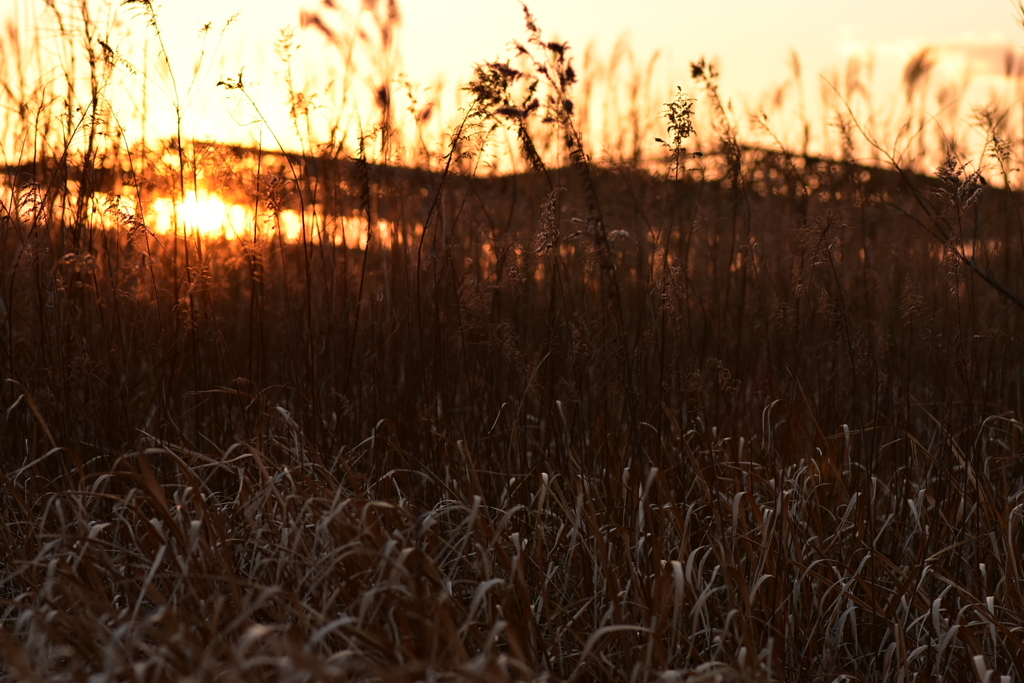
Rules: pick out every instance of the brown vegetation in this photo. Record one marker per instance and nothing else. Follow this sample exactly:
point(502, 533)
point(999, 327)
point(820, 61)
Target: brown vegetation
point(754, 417)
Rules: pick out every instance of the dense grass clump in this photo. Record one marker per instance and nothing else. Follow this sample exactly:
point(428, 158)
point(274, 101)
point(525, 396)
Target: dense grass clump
point(746, 415)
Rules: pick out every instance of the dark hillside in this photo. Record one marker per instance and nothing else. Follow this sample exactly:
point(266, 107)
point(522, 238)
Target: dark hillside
point(728, 409)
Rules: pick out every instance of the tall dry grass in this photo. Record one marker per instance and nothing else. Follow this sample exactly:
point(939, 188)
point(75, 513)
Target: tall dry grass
point(754, 417)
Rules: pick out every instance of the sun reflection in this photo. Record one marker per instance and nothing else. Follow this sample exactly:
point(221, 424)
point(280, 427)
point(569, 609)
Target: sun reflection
point(349, 231)
point(209, 216)
point(205, 214)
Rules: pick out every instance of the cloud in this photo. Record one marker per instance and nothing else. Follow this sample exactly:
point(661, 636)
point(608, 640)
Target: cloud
point(985, 58)
point(982, 57)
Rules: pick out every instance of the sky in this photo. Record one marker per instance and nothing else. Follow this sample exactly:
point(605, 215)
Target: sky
point(751, 41)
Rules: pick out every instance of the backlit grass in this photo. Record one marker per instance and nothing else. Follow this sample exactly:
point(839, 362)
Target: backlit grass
point(743, 415)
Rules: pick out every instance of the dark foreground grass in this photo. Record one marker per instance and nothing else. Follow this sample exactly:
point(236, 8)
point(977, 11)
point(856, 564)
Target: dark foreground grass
point(806, 463)
point(581, 424)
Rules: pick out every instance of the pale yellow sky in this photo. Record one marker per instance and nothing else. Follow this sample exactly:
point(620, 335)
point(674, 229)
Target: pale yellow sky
point(751, 40)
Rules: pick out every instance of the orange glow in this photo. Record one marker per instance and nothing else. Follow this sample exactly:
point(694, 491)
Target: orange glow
point(205, 214)
point(793, 62)
point(209, 216)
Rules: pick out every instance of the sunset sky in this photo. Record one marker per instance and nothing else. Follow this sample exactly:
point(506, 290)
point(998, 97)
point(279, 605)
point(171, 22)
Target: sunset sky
point(751, 40)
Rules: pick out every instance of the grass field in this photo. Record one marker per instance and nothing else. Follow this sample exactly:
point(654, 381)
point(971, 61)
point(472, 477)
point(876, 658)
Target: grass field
point(745, 415)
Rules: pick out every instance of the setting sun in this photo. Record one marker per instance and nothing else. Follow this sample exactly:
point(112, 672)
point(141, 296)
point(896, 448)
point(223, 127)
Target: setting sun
point(205, 213)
